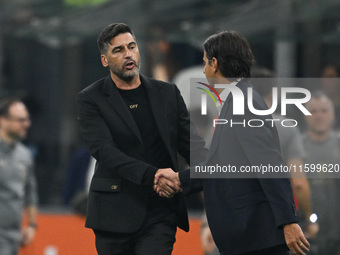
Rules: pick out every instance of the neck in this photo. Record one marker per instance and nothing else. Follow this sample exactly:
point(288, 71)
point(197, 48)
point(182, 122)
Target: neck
point(318, 137)
point(268, 101)
point(219, 79)
point(6, 138)
point(126, 85)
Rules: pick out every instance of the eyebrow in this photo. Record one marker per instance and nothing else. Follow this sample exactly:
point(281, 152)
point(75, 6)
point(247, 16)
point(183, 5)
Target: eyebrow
point(121, 46)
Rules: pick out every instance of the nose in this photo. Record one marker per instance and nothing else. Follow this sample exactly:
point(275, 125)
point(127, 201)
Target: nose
point(128, 53)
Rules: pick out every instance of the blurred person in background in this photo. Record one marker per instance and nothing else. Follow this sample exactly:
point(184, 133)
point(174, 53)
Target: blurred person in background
point(134, 127)
point(79, 173)
point(18, 191)
point(331, 87)
point(322, 145)
point(207, 240)
point(292, 150)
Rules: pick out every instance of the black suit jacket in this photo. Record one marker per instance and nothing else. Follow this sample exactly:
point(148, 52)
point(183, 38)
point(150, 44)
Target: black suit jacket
point(118, 193)
point(246, 214)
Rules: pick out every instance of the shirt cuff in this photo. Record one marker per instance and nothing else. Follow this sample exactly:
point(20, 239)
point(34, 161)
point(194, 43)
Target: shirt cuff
point(184, 177)
point(149, 176)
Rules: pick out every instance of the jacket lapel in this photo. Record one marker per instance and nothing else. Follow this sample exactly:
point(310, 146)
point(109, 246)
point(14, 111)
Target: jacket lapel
point(119, 106)
point(156, 99)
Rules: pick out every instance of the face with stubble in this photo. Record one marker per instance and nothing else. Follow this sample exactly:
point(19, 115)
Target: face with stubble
point(322, 118)
point(122, 57)
point(15, 124)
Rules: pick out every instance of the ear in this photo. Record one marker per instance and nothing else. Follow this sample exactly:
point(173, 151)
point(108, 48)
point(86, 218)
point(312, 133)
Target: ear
point(214, 64)
point(104, 61)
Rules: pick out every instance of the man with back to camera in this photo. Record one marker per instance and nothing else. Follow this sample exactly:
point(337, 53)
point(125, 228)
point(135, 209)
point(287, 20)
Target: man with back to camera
point(17, 183)
point(246, 216)
point(293, 154)
point(134, 126)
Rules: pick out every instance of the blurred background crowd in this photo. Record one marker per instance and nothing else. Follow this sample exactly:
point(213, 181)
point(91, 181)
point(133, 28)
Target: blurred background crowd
point(48, 53)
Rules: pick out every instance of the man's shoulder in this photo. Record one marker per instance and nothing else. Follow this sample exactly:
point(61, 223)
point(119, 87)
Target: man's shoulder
point(244, 84)
point(23, 148)
point(95, 86)
point(99, 84)
point(156, 83)
point(23, 152)
point(94, 91)
point(336, 135)
point(257, 99)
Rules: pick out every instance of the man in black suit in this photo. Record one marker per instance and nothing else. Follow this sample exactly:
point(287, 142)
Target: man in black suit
point(133, 126)
point(249, 216)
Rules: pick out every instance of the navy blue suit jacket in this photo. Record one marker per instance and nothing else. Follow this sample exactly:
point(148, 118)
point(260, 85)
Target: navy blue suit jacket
point(246, 214)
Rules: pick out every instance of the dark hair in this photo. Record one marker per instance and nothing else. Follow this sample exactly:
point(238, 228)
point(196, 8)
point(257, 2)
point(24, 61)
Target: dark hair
point(5, 104)
point(233, 54)
point(110, 32)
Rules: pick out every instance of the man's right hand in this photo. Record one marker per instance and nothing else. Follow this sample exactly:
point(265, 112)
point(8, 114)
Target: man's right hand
point(295, 239)
point(167, 183)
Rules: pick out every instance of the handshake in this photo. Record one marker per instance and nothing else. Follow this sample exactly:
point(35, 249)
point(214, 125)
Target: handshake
point(167, 183)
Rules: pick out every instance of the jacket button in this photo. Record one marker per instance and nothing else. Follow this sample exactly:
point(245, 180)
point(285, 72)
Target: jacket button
point(114, 187)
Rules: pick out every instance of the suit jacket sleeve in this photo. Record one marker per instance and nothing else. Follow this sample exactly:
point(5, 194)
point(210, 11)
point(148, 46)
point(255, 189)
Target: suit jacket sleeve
point(97, 136)
point(262, 147)
point(191, 146)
